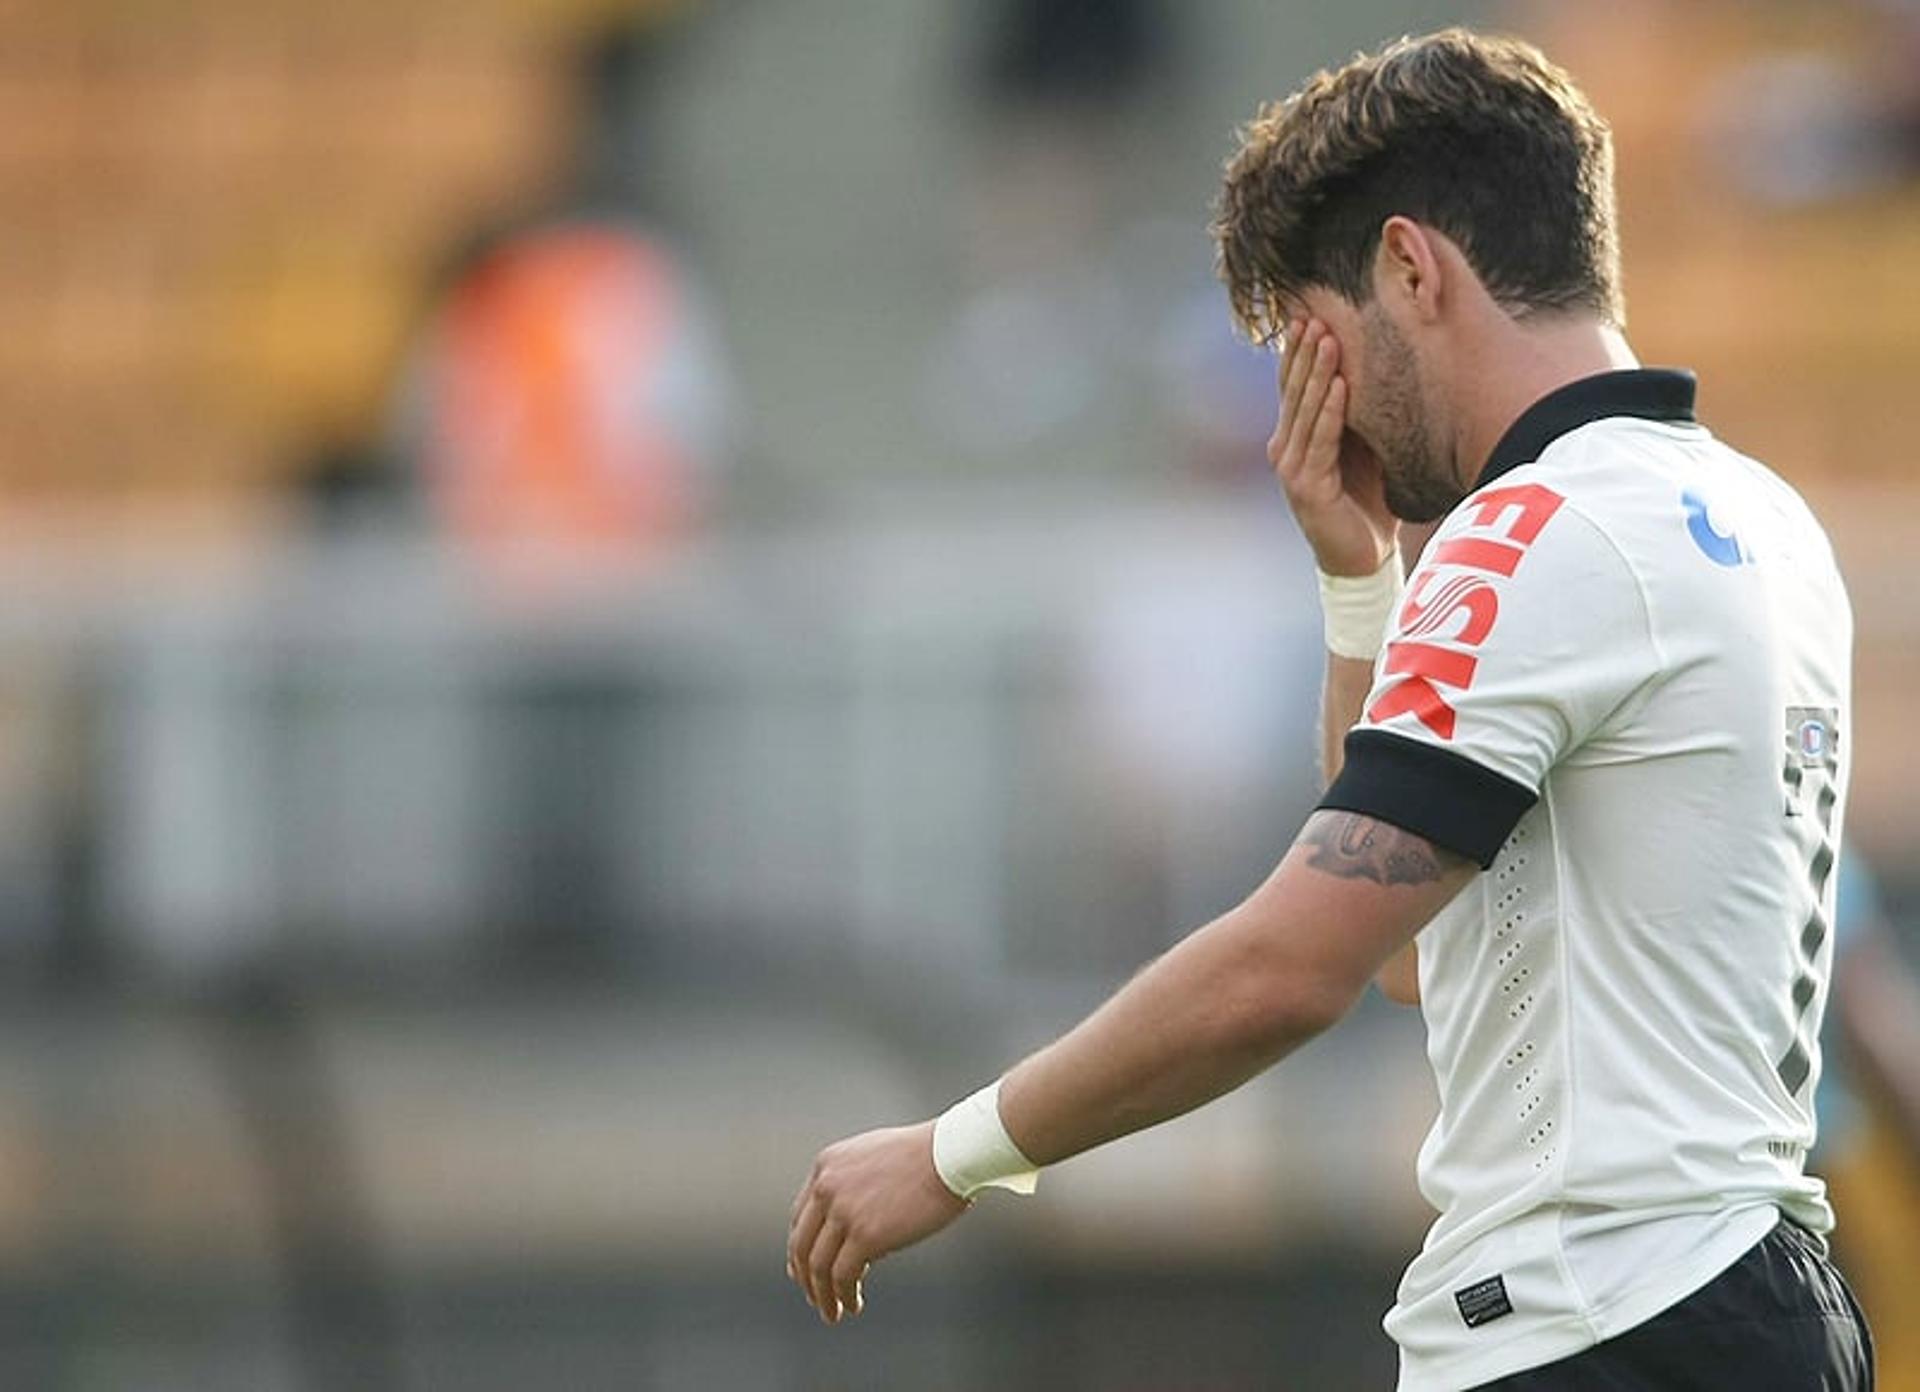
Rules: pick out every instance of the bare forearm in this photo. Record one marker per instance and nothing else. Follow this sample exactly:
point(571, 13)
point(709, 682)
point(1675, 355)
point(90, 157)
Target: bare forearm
point(1238, 995)
point(1342, 697)
point(1198, 1022)
point(1230, 1000)
point(1181, 1033)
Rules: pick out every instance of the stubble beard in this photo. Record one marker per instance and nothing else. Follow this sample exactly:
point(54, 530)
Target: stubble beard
point(1416, 477)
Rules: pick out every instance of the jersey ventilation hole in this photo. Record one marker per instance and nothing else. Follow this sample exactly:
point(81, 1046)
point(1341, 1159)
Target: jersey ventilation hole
point(1521, 1006)
point(1520, 1055)
point(1540, 1132)
point(1544, 1159)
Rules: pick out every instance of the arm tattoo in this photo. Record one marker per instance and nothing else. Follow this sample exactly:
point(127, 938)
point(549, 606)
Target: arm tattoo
point(1355, 847)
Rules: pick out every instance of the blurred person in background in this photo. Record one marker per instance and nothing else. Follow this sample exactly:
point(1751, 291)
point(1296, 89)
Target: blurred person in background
point(567, 422)
point(569, 400)
point(1564, 775)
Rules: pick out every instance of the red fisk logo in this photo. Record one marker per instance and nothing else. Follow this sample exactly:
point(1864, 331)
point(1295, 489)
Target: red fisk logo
point(1460, 607)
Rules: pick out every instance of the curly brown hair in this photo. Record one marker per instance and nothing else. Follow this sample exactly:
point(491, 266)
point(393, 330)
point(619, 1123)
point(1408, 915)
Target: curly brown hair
point(1481, 138)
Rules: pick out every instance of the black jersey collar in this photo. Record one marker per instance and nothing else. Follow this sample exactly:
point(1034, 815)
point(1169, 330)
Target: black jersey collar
point(1652, 393)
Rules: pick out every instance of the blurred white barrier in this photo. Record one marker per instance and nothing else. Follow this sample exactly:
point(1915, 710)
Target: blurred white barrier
point(884, 736)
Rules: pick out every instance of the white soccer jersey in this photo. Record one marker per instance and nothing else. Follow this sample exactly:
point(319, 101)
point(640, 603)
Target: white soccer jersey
point(1619, 681)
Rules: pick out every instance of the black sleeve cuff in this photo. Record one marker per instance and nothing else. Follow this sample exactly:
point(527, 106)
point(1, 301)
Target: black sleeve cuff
point(1446, 797)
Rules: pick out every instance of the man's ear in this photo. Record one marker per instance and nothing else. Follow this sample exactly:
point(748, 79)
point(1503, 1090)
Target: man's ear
point(1408, 267)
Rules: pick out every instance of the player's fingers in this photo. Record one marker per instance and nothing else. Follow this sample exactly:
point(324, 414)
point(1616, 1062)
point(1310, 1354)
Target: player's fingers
point(1321, 456)
point(1293, 374)
point(1298, 406)
point(848, 1270)
point(800, 1240)
point(1313, 394)
point(1294, 459)
point(1293, 379)
point(818, 1269)
point(1293, 366)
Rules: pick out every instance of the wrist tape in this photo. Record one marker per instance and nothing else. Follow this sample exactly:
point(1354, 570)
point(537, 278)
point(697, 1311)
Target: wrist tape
point(972, 1150)
point(1359, 608)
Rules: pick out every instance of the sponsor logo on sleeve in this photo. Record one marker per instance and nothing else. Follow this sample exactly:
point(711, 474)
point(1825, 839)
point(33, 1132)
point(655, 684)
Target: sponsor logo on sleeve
point(1453, 605)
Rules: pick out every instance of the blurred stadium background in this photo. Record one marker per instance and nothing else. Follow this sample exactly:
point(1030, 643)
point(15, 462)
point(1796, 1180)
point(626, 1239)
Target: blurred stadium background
point(595, 596)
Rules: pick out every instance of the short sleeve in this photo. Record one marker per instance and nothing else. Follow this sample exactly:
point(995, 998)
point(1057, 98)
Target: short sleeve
point(1522, 631)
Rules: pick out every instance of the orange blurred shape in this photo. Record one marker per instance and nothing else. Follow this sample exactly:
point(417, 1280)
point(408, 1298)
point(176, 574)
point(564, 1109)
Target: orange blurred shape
point(553, 399)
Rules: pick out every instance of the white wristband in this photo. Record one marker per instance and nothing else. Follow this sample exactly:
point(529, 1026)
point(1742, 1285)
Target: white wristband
point(972, 1150)
point(1359, 608)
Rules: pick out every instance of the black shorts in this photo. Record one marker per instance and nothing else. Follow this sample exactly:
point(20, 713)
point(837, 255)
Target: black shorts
point(1781, 1318)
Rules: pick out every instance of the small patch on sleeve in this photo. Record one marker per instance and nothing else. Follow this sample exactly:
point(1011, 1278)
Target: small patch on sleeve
point(1483, 1301)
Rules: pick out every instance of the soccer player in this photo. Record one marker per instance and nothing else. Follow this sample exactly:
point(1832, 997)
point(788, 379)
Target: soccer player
point(1587, 805)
